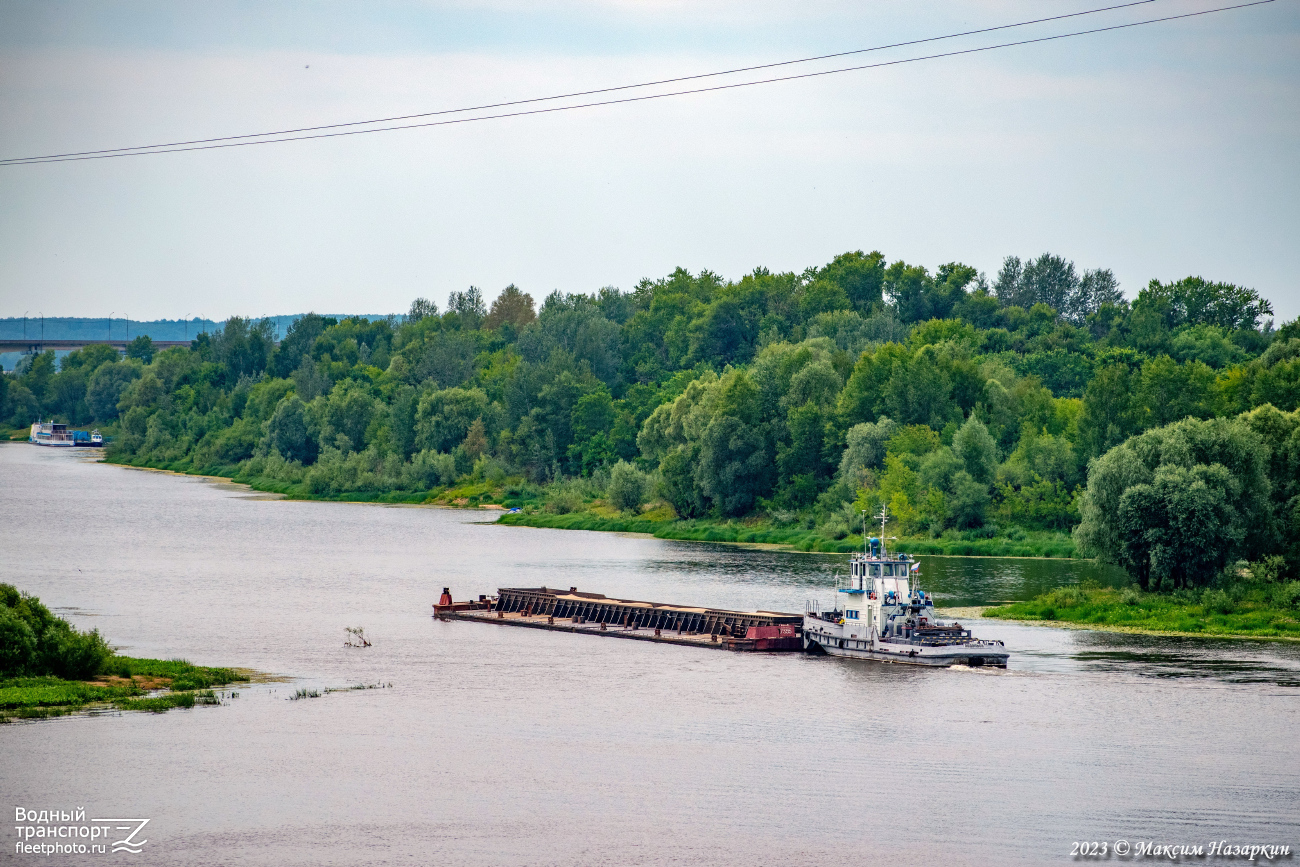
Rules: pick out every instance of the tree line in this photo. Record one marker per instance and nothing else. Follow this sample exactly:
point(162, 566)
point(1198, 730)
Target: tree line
point(964, 405)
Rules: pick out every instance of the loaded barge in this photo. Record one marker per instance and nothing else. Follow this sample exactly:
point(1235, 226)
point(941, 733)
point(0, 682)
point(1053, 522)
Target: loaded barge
point(594, 614)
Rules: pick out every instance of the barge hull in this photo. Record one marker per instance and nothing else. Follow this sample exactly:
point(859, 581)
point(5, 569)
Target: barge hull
point(594, 614)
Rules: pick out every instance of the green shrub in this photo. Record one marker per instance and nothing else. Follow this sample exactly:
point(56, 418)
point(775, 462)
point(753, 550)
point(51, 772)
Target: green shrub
point(34, 642)
point(158, 703)
point(1286, 595)
point(1069, 597)
point(1218, 602)
point(563, 499)
point(628, 487)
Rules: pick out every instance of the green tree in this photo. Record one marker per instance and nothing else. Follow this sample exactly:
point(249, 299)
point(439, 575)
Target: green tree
point(919, 392)
point(299, 341)
point(106, 387)
point(863, 396)
point(803, 455)
point(1167, 391)
point(968, 502)
point(976, 450)
point(39, 375)
point(627, 488)
point(348, 413)
point(1206, 473)
point(677, 482)
point(734, 466)
point(1179, 530)
point(443, 418)
point(861, 277)
point(593, 413)
point(35, 643)
point(289, 432)
point(1109, 415)
point(865, 448)
point(141, 347)
point(1196, 301)
point(243, 346)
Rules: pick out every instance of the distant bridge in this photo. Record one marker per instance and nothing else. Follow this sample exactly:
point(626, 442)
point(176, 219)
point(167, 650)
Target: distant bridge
point(35, 346)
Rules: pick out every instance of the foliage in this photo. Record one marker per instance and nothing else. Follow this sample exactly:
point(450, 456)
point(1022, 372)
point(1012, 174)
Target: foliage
point(34, 642)
point(1175, 504)
point(45, 666)
point(964, 408)
point(628, 487)
point(1231, 611)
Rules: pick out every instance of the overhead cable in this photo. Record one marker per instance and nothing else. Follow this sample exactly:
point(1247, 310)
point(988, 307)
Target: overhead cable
point(309, 133)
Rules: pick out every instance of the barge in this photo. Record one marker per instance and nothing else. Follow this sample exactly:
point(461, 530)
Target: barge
point(593, 614)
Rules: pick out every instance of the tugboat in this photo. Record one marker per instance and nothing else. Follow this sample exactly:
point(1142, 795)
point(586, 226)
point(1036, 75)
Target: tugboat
point(883, 617)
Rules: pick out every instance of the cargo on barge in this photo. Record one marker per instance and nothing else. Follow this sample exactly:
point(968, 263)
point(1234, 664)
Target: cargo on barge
point(594, 614)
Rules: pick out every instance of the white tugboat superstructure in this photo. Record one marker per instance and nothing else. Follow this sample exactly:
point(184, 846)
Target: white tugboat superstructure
point(882, 616)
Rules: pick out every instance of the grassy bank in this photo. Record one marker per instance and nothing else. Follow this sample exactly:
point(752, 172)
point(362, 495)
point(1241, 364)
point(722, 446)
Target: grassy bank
point(129, 684)
point(469, 493)
point(796, 538)
point(657, 520)
point(1256, 613)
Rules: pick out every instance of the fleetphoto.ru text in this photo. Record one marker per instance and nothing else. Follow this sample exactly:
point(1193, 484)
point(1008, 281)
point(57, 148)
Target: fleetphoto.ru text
point(69, 832)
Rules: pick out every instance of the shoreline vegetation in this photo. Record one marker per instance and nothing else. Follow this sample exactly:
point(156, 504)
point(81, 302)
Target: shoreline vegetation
point(1035, 413)
point(657, 519)
point(798, 538)
point(48, 669)
point(776, 407)
point(1246, 607)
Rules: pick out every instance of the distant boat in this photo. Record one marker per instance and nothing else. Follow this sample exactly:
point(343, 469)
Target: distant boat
point(83, 439)
point(51, 434)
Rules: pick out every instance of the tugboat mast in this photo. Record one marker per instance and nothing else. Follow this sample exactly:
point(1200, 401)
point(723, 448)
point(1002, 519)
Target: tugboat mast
point(883, 516)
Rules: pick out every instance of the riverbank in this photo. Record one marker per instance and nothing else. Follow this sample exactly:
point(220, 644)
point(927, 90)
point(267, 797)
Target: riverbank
point(155, 685)
point(760, 531)
point(1212, 614)
point(657, 519)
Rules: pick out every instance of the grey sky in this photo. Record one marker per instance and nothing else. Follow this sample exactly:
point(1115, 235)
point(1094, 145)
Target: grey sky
point(1160, 152)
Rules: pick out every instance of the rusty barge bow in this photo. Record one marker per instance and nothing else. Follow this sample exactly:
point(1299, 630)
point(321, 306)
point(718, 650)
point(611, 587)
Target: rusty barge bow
point(594, 614)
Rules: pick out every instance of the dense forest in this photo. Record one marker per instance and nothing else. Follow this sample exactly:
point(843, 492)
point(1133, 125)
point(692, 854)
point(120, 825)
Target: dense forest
point(970, 408)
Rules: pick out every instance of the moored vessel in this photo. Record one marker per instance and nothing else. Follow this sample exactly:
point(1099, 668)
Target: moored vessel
point(882, 616)
point(51, 434)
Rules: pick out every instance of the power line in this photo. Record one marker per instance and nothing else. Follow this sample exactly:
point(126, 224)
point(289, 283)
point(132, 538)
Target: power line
point(579, 93)
point(293, 135)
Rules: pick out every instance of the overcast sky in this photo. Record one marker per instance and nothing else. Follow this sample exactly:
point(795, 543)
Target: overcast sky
point(1158, 152)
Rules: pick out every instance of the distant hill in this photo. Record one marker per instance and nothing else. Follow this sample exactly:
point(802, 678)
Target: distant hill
point(100, 328)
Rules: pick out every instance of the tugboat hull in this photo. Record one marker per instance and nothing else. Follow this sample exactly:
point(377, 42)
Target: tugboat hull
point(981, 655)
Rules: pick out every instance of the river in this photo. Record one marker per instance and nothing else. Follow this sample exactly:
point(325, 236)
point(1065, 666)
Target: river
point(516, 746)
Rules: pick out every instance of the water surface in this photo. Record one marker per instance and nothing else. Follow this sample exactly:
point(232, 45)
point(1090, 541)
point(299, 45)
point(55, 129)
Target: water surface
point(514, 746)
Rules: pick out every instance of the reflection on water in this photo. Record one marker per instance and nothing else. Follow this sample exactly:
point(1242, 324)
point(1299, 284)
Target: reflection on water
point(514, 746)
point(778, 580)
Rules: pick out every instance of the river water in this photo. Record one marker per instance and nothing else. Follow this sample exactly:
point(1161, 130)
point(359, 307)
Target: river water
point(516, 746)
